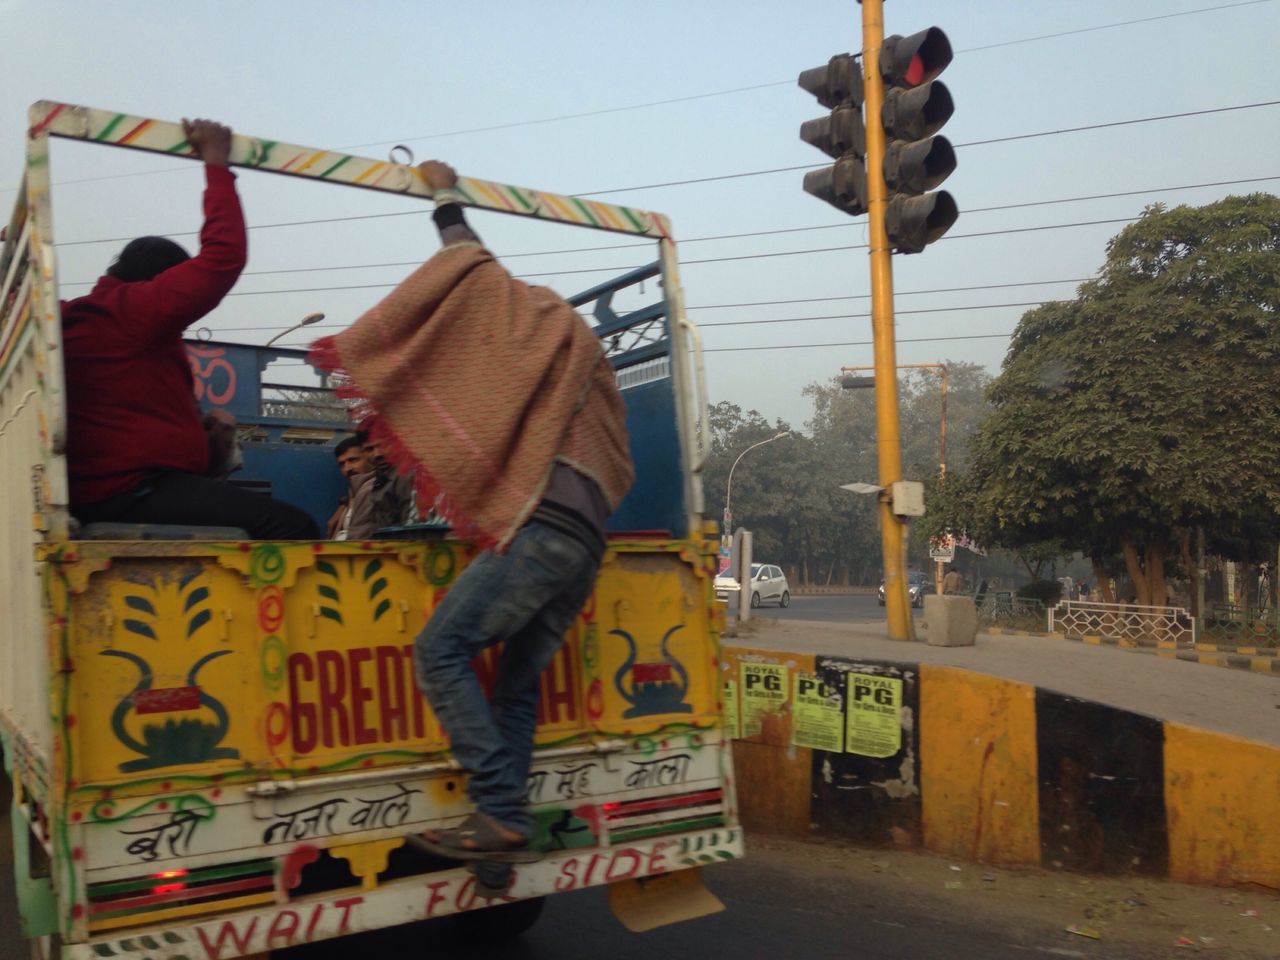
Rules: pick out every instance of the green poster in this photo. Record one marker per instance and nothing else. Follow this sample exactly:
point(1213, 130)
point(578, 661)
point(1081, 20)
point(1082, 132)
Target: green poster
point(764, 690)
point(874, 714)
point(731, 728)
point(817, 715)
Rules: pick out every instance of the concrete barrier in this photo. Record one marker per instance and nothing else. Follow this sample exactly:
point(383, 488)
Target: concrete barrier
point(994, 770)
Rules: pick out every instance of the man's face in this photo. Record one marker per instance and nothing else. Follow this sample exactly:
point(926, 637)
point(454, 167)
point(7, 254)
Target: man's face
point(374, 455)
point(352, 461)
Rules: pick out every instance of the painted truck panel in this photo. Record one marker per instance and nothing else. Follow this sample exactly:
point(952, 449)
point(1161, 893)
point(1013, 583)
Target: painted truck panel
point(217, 748)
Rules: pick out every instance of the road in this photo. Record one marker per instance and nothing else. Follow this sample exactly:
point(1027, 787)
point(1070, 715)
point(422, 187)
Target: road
point(827, 607)
point(823, 902)
point(827, 901)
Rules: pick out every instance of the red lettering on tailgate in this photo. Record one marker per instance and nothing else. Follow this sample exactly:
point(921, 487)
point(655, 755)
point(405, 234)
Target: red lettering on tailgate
point(227, 931)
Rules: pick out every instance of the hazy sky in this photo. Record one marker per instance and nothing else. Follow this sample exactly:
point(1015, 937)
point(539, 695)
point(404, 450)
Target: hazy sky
point(363, 77)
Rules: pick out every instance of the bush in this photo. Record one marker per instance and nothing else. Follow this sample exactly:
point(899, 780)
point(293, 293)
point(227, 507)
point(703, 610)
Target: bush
point(1048, 592)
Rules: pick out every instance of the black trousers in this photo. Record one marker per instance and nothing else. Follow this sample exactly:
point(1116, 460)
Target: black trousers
point(193, 500)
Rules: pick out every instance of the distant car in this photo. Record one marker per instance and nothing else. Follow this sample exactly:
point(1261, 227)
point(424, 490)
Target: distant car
point(918, 584)
point(726, 588)
point(767, 583)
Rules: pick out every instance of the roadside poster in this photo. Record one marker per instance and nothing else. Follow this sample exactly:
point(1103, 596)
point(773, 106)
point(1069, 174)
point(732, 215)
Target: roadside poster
point(732, 729)
point(764, 690)
point(817, 715)
point(874, 715)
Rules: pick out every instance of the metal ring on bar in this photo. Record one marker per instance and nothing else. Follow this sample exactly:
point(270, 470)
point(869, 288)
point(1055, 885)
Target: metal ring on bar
point(403, 166)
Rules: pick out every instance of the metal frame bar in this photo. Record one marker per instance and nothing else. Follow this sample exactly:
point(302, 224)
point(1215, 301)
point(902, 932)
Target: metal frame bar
point(50, 118)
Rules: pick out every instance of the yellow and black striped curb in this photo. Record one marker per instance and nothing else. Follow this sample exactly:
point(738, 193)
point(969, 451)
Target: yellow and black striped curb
point(1253, 659)
point(993, 770)
point(1237, 661)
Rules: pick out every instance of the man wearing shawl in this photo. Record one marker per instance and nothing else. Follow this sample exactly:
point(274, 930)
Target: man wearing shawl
point(499, 399)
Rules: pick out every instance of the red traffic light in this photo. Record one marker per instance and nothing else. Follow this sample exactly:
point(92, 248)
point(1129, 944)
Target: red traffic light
point(911, 61)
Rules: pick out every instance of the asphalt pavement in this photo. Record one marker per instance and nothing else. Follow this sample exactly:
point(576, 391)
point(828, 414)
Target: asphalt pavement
point(826, 608)
point(824, 902)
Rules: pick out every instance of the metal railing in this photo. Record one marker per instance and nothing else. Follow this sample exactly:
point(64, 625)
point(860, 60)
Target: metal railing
point(1127, 623)
point(1229, 624)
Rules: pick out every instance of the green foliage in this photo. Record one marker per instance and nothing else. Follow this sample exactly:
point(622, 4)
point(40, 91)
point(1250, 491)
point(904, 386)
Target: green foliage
point(1148, 404)
point(788, 492)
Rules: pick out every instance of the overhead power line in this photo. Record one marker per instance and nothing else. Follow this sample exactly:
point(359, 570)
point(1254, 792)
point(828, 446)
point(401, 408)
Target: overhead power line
point(770, 303)
point(860, 316)
point(623, 268)
point(896, 293)
point(957, 146)
point(703, 96)
point(690, 240)
point(857, 343)
point(769, 233)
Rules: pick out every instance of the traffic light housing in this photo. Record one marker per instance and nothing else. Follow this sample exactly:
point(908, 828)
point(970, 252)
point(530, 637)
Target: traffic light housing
point(915, 161)
point(841, 134)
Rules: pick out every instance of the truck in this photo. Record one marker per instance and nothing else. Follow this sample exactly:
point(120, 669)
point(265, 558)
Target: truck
point(214, 747)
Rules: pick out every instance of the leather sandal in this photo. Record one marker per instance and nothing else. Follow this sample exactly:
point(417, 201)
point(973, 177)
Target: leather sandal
point(479, 837)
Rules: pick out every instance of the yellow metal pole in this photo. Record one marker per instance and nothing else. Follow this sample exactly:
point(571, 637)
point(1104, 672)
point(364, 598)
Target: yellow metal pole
point(892, 531)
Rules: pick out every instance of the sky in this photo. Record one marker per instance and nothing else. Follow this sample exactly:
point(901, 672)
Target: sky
point(602, 98)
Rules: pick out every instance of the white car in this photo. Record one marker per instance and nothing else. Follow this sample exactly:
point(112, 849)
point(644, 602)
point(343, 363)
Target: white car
point(767, 583)
point(727, 589)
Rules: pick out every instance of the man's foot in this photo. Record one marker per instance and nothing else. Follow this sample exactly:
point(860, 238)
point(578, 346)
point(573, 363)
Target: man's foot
point(493, 880)
point(479, 837)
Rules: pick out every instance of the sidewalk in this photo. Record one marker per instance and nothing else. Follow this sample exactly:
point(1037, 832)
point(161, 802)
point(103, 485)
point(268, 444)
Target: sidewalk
point(1234, 702)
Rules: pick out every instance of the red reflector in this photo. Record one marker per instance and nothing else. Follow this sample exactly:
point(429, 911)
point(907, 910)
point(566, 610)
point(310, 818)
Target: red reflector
point(915, 72)
point(651, 672)
point(168, 888)
point(167, 699)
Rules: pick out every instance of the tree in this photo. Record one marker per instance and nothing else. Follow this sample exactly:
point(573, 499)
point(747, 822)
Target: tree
point(1148, 406)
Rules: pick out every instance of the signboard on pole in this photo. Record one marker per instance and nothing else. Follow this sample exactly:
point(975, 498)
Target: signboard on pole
point(942, 549)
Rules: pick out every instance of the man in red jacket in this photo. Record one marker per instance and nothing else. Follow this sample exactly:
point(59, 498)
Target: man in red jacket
point(137, 450)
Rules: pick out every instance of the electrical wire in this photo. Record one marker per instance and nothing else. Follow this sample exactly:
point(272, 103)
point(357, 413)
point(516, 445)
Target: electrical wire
point(768, 303)
point(697, 96)
point(858, 343)
point(957, 146)
point(860, 316)
point(684, 263)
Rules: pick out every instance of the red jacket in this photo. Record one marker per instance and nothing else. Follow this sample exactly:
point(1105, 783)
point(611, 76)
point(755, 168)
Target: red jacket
point(130, 395)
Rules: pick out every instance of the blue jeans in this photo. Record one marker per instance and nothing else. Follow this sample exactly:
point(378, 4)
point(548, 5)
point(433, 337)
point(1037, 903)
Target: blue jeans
point(525, 599)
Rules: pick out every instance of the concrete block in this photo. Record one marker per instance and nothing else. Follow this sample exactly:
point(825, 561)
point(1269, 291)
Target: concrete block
point(951, 621)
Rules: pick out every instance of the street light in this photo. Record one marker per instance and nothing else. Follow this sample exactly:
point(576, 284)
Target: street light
point(728, 493)
point(306, 321)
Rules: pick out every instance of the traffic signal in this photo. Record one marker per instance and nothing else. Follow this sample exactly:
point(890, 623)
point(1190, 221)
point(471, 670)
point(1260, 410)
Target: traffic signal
point(915, 107)
point(840, 135)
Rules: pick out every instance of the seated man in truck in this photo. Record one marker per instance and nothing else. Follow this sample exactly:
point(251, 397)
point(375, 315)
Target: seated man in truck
point(392, 495)
point(353, 520)
point(501, 399)
point(137, 450)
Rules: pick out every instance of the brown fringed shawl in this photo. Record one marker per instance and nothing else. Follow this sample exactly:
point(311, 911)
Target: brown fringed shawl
point(480, 384)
